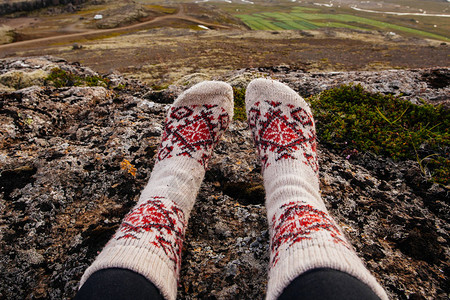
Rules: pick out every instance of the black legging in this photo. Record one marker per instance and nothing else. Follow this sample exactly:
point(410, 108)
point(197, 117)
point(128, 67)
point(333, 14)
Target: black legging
point(115, 284)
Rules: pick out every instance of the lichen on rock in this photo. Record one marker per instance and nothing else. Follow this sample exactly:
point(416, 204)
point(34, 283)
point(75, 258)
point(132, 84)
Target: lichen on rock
point(22, 79)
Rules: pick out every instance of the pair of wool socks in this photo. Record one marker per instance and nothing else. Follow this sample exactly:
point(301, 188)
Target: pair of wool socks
point(303, 235)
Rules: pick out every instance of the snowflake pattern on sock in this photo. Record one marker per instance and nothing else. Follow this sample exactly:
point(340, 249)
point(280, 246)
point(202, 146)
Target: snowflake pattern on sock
point(297, 222)
point(283, 132)
point(192, 131)
point(161, 217)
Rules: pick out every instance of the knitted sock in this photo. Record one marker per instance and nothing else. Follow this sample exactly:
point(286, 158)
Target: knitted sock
point(150, 238)
point(303, 235)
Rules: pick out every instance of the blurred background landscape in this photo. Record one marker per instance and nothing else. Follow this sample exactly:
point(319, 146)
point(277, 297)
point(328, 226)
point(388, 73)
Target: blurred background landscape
point(161, 41)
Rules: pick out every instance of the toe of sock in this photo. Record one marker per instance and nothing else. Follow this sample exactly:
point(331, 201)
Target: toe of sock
point(207, 92)
point(262, 89)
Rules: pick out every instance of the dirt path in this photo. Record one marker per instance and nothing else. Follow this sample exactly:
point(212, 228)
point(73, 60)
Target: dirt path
point(67, 38)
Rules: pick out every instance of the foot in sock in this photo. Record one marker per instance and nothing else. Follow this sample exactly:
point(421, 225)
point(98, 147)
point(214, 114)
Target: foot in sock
point(303, 234)
point(150, 238)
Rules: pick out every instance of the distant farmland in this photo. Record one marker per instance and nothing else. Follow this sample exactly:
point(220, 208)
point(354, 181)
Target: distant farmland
point(307, 19)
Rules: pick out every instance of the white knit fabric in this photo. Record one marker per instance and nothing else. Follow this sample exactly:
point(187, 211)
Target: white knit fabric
point(149, 240)
point(303, 234)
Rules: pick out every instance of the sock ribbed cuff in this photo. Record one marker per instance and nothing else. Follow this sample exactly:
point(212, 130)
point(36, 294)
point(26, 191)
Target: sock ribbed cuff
point(175, 178)
point(140, 260)
point(315, 254)
point(303, 234)
point(291, 180)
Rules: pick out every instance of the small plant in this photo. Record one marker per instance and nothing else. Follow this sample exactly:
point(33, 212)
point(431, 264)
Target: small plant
point(350, 118)
point(60, 78)
point(120, 87)
point(239, 104)
point(159, 87)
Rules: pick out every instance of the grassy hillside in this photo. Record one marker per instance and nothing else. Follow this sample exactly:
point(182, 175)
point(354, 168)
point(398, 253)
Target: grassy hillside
point(301, 18)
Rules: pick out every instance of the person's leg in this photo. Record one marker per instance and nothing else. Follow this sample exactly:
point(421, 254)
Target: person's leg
point(303, 235)
point(327, 284)
point(150, 238)
point(118, 284)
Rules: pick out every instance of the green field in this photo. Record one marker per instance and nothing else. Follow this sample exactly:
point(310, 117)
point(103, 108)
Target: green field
point(299, 18)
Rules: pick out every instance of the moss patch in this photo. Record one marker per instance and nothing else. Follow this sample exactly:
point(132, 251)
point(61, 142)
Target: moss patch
point(351, 119)
point(239, 104)
point(60, 78)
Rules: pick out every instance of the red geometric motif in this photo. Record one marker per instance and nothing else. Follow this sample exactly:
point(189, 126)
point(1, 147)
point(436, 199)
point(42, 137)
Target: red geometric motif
point(296, 224)
point(279, 133)
point(162, 219)
point(196, 131)
point(192, 131)
point(282, 131)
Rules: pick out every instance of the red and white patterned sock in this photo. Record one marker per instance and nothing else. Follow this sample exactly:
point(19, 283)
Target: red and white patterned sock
point(150, 238)
point(303, 234)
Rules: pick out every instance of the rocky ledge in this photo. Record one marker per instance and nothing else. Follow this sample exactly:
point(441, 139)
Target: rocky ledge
point(67, 156)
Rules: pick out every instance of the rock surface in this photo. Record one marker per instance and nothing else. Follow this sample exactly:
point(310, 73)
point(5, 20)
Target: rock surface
point(430, 85)
point(63, 192)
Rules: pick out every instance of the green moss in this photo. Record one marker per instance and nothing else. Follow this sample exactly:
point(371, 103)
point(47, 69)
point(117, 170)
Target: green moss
point(60, 78)
point(161, 9)
point(159, 87)
point(350, 118)
point(120, 87)
point(239, 104)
